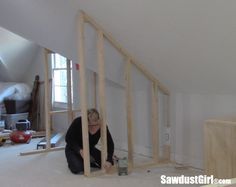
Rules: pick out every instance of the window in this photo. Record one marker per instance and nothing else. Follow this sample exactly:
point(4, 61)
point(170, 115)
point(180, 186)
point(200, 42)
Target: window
point(59, 75)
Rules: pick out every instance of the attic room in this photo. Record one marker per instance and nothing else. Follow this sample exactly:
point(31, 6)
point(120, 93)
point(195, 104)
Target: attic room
point(188, 46)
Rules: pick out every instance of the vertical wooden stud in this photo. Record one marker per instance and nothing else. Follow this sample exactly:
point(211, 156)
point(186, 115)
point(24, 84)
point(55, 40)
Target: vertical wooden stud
point(102, 96)
point(83, 96)
point(167, 148)
point(129, 109)
point(47, 100)
point(155, 132)
point(69, 89)
point(95, 89)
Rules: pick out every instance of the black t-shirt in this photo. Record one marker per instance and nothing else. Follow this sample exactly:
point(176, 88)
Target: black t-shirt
point(74, 138)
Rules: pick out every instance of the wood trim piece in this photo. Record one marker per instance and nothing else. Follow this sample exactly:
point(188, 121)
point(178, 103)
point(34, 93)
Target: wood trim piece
point(83, 96)
point(42, 151)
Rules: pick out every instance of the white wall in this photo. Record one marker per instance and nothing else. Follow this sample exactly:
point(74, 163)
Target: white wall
point(191, 111)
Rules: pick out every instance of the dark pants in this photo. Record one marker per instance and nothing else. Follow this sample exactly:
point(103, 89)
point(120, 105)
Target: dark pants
point(76, 162)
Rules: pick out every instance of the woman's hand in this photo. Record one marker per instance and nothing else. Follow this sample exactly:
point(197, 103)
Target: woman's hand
point(81, 153)
point(107, 165)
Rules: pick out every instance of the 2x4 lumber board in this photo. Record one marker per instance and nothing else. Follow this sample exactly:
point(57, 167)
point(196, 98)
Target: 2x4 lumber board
point(162, 88)
point(149, 76)
point(145, 165)
point(143, 70)
point(111, 171)
point(155, 132)
point(48, 51)
point(69, 95)
point(106, 35)
point(102, 96)
point(129, 109)
point(116, 44)
point(151, 165)
point(64, 111)
point(42, 151)
point(47, 100)
point(58, 112)
point(168, 111)
point(122, 50)
point(83, 96)
point(95, 89)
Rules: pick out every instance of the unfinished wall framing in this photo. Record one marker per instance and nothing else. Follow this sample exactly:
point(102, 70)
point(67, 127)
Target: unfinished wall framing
point(130, 63)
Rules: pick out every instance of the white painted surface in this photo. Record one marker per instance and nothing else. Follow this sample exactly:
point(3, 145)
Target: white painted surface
point(191, 112)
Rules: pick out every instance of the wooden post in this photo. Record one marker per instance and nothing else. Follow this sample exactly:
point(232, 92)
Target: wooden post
point(69, 95)
point(102, 95)
point(47, 100)
point(129, 109)
point(95, 90)
point(155, 132)
point(83, 96)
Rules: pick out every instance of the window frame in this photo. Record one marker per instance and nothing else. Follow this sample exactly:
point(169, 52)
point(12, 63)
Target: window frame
point(59, 104)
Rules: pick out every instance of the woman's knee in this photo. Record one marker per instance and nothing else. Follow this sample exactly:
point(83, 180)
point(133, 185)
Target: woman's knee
point(76, 169)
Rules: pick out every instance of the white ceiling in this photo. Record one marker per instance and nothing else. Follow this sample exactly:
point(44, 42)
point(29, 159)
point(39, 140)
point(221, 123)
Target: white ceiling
point(189, 44)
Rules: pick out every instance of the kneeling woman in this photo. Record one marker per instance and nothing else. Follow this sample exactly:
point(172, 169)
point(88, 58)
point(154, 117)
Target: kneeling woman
point(74, 144)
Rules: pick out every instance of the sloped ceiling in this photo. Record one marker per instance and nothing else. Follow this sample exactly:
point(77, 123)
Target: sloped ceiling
point(16, 55)
point(189, 44)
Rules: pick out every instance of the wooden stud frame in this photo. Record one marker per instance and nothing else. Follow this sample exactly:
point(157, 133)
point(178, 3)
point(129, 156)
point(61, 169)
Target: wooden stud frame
point(84, 18)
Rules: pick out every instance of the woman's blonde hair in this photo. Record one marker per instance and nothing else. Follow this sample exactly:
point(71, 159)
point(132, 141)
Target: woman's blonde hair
point(93, 114)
